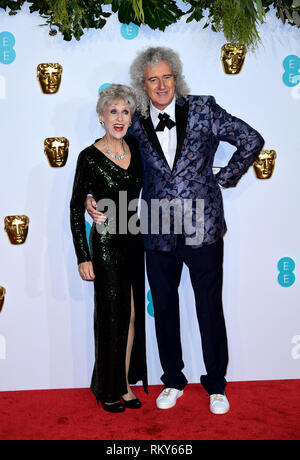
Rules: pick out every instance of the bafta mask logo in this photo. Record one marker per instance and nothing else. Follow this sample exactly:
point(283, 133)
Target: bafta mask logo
point(56, 150)
point(16, 228)
point(49, 76)
point(2, 297)
point(233, 56)
point(264, 164)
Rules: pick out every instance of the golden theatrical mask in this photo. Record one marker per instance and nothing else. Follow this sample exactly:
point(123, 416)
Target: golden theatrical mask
point(233, 56)
point(2, 297)
point(49, 76)
point(57, 150)
point(16, 228)
point(264, 164)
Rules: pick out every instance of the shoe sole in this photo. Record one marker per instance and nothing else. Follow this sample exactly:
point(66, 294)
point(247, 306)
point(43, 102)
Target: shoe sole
point(219, 412)
point(174, 404)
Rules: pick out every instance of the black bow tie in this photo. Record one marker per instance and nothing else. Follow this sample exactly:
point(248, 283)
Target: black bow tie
point(164, 121)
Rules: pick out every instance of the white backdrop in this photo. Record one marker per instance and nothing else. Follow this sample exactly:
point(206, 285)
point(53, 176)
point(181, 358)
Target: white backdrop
point(46, 325)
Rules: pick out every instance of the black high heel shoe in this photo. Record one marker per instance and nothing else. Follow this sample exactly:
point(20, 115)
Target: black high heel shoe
point(115, 407)
point(132, 403)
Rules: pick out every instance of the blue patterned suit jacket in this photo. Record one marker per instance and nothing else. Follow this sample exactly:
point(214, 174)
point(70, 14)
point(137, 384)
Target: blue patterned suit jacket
point(201, 124)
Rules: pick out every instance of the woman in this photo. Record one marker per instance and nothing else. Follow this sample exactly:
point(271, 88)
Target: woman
point(110, 169)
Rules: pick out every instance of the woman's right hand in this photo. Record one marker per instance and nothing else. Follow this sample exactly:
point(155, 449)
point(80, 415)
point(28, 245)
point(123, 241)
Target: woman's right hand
point(86, 271)
point(91, 207)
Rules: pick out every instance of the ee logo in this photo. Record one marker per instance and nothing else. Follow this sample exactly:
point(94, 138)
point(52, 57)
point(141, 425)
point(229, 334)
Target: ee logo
point(129, 31)
point(88, 231)
point(286, 267)
point(105, 85)
point(291, 65)
point(7, 52)
point(150, 308)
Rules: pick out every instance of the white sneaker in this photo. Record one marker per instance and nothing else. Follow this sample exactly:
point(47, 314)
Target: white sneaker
point(219, 404)
point(168, 397)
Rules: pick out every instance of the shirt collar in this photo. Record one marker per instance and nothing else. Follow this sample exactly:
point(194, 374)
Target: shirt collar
point(170, 110)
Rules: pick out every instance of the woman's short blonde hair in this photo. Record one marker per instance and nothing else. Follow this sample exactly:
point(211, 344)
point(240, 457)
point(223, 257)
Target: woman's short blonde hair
point(116, 92)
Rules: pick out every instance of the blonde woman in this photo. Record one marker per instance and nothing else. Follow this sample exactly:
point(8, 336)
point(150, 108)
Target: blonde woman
point(114, 261)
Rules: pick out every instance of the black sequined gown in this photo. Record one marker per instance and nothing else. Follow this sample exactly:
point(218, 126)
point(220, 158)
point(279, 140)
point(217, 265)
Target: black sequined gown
point(118, 262)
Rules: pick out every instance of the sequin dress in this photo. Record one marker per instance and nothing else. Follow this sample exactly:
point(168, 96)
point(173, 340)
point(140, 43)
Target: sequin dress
point(118, 263)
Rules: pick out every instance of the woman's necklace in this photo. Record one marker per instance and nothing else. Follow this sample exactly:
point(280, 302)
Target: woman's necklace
point(114, 155)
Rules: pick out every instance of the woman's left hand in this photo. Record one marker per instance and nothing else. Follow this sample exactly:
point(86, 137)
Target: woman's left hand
point(86, 271)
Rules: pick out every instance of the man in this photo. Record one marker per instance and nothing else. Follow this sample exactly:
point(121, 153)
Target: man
point(178, 136)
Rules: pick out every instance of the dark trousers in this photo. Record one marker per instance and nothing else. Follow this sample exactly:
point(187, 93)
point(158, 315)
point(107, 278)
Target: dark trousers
point(205, 265)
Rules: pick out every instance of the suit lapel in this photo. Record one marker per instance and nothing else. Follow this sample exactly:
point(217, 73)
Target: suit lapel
point(181, 115)
point(149, 128)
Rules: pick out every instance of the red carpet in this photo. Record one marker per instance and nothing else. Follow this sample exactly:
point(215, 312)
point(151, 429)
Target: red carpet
point(264, 410)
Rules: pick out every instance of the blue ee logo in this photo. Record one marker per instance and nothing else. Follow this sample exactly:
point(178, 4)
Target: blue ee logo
point(7, 52)
point(129, 31)
point(150, 308)
point(291, 76)
point(88, 231)
point(286, 267)
point(105, 85)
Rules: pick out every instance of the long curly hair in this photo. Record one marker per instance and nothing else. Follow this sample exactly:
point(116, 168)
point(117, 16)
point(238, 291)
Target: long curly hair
point(149, 58)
